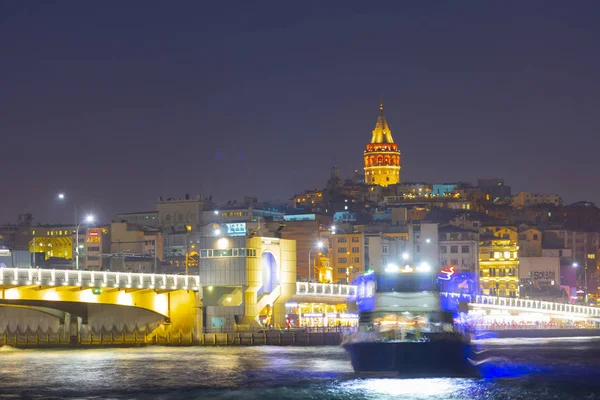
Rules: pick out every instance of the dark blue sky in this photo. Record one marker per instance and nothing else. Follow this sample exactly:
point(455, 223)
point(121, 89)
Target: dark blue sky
point(117, 103)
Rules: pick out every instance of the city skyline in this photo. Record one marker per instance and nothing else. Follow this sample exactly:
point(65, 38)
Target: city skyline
point(198, 100)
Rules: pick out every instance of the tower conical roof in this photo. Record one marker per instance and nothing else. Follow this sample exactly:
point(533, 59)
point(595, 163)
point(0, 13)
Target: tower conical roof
point(382, 132)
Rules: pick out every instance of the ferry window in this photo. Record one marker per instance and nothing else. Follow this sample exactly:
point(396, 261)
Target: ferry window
point(401, 282)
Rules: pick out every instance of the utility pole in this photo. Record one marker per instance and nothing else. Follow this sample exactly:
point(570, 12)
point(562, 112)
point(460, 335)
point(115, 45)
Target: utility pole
point(155, 256)
point(33, 252)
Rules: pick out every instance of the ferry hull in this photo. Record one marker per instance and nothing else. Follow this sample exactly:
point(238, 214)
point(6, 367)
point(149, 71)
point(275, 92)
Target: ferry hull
point(411, 359)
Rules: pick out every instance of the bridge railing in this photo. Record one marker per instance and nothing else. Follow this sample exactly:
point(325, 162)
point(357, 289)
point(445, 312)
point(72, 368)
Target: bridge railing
point(325, 289)
point(527, 305)
point(96, 279)
point(537, 305)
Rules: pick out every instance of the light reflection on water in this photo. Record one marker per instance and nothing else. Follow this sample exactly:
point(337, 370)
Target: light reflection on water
point(551, 370)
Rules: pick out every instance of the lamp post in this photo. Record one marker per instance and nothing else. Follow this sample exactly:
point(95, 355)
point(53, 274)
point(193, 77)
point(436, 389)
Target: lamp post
point(575, 265)
point(319, 246)
point(348, 269)
point(88, 219)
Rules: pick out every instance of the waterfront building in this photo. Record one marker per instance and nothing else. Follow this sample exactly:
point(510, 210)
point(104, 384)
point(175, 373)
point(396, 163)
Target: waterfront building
point(498, 267)
point(539, 277)
point(248, 211)
point(94, 243)
point(324, 269)
point(494, 189)
point(382, 157)
point(309, 201)
point(443, 189)
point(459, 248)
point(51, 242)
point(180, 214)
point(245, 279)
point(530, 242)
point(385, 248)
point(423, 246)
point(508, 232)
point(581, 216)
point(524, 199)
point(134, 247)
point(320, 315)
point(306, 230)
point(144, 218)
point(345, 248)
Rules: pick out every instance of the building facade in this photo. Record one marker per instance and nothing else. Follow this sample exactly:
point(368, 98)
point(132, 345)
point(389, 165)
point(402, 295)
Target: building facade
point(180, 214)
point(459, 248)
point(499, 267)
point(524, 199)
point(246, 281)
point(94, 245)
point(346, 254)
point(145, 218)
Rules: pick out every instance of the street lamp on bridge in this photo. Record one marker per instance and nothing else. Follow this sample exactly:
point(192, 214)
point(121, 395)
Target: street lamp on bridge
point(88, 219)
point(575, 265)
point(319, 245)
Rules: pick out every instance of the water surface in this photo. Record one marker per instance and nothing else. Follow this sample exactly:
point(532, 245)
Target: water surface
point(513, 369)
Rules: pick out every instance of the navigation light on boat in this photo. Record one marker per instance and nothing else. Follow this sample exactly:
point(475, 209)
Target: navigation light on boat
point(424, 267)
point(392, 268)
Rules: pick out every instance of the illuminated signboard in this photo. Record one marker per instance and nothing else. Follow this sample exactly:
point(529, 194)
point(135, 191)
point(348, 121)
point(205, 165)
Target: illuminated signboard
point(299, 217)
point(93, 233)
point(237, 229)
point(447, 273)
point(461, 287)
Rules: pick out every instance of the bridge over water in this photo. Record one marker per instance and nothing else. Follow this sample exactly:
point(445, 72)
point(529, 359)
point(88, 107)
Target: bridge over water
point(314, 291)
point(76, 302)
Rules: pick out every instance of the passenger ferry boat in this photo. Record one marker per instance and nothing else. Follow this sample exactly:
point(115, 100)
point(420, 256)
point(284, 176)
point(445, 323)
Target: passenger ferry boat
point(403, 330)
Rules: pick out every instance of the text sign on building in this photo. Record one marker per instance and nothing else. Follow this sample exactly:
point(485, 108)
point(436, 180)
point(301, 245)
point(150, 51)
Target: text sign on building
point(541, 277)
point(237, 229)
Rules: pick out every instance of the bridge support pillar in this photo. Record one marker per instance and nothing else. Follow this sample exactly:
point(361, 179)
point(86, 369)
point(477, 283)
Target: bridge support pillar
point(71, 328)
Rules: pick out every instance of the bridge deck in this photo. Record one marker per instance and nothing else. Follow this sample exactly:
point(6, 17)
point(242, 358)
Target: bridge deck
point(15, 277)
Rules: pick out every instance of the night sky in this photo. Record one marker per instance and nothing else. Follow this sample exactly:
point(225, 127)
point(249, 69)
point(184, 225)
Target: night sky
point(117, 103)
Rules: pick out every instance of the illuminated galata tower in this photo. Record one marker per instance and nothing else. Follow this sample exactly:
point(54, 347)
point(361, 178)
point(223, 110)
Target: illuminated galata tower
point(382, 157)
